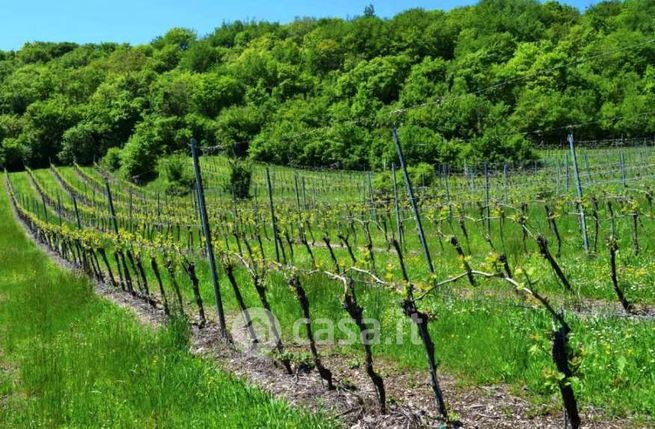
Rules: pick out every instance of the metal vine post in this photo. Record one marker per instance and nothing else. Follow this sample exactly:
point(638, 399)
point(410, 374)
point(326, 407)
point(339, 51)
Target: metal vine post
point(578, 188)
point(412, 200)
point(208, 239)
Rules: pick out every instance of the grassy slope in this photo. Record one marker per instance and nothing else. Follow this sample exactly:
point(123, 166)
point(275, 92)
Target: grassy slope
point(68, 358)
point(484, 341)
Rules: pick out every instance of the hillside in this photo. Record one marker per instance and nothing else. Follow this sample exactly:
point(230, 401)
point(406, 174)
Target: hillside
point(491, 80)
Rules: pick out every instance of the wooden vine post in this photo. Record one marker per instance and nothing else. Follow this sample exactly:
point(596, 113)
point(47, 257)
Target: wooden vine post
point(208, 239)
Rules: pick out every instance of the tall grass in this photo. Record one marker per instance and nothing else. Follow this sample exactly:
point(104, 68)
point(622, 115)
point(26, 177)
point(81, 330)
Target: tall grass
point(70, 359)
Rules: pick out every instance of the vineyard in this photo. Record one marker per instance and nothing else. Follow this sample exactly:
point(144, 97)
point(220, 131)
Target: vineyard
point(538, 276)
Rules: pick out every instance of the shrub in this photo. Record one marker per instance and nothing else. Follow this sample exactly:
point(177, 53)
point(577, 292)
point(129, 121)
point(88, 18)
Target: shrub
point(152, 138)
point(422, 174)
point(112, 159)
point(178, 178)
point(240, 179)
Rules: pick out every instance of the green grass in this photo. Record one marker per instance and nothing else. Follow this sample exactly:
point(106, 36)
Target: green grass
point(490, 338)
point(70, 359)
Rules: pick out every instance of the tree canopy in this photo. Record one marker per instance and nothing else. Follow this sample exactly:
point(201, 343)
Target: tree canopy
point(325, 92)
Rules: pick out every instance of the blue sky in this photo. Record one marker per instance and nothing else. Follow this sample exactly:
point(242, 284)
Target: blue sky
point(139, 21)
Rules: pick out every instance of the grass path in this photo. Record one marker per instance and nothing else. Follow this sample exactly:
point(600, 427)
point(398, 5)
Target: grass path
point(70, 359)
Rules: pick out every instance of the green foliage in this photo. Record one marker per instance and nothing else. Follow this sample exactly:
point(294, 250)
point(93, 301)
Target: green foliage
point(150, 140)
point(42, 52)
point(322, 92)
point(380, 78)
point(112, 159)
point(240, 179)
point(177, 175)
point(238, 124)
point(172, 94)
point(200, 57)
point(215, 92)
point(499, 143)
point(422, 174)
point(11, 156)
point(44, 125)
point(180, 38)
point(421, 145)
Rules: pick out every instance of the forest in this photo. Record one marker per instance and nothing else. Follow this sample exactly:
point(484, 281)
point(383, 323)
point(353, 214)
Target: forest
point(486, 82)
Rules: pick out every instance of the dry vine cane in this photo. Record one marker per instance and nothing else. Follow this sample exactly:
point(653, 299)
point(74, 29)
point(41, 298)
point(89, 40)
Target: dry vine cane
point(561, 357)
point(326, 374)
point(560, 350)
point(190, 268)
point(421, 320)
point(170, 268)
point(258, 282)
point(162, 292)
point(229, 271)
point(552, 222)
point(462, 256)
point(543, 249)
point(613, 247)
point(356, 313)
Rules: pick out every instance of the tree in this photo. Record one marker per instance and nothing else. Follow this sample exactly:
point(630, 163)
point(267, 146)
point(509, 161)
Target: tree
point(108, 119)
point(323, 92)
point(199, 57)
point(178, 177)
point(23, 87)
point(45, 123)
point(236, 128)
point(172, 94)
point(214, 92)
point(181, 38)
point(153, 137)
point(11, 156)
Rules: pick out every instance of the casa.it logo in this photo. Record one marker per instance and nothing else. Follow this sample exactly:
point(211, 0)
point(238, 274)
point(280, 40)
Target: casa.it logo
point(255, 331)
